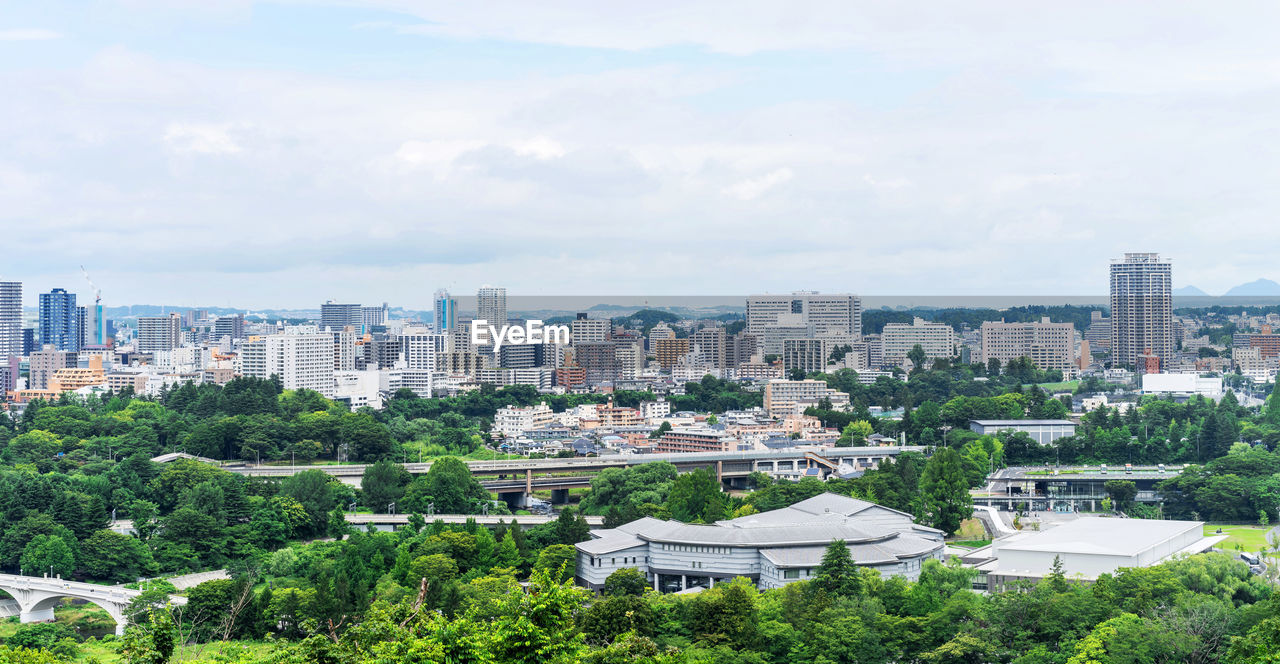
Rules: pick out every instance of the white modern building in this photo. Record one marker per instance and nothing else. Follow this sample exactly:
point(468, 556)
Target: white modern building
point(770, 548)
point(1043, 432)
point(513, 421)
point(1087, 548)
point(10, 319)
point(1049, 345)
point(897, 339)
point(822, 313)
point(1182, 385)
point(301, 357)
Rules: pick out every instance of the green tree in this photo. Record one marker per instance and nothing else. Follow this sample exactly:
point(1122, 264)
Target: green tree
point(111, 556)
point(696, 497)
point(559, 560)
point(48, 554)
point(312, 489)
point(855, 434)
point(1121, 492)
point(449, 486)
point(837, 574)
point(152, 641)
point(383, 483)
point(626, 581)
point(917, 356)
point(944, 492)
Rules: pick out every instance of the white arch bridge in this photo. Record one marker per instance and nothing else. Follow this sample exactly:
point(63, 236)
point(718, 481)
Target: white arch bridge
point(37, 596)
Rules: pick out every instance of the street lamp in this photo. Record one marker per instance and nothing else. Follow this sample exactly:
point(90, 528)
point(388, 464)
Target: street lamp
point(391, 509)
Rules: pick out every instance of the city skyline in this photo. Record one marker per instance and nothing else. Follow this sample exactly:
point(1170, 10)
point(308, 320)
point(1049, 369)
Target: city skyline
point(333, 152)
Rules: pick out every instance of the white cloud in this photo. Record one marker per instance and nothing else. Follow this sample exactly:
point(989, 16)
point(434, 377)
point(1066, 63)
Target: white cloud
point(28, 34)
point(752, 188)
point(201, 138)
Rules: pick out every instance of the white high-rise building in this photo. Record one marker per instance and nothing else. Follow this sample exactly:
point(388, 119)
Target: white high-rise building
point(491, 305)
point(1049, 345)
point(1141, 308)
point(10, 319)
point(302, 358)
point(421, 349)
point(824, 313)
point(591, 330)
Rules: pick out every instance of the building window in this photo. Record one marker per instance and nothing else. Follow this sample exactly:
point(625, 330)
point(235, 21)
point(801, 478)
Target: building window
point(791, 574)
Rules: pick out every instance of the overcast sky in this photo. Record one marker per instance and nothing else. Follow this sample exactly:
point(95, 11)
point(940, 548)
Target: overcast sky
point(282, 154)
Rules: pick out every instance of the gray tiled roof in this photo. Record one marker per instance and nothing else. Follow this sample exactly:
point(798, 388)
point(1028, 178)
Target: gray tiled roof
point(879, 553)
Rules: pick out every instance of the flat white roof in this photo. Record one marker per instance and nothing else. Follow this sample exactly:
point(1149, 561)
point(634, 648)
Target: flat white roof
point(1099, 536)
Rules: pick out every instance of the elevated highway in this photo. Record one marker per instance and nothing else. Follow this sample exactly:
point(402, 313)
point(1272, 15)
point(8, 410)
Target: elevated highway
point(505, 476)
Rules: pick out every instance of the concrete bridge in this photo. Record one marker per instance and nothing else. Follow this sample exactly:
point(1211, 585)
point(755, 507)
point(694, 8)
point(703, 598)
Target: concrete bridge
point(37, 597)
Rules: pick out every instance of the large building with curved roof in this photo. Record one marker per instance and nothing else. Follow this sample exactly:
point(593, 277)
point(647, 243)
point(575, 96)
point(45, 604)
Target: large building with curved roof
point(771, 548)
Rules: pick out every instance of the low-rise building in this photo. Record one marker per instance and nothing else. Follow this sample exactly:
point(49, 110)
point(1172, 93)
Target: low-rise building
point(772, 548)
point(1041, 431)
point(790, 397)
point(1086, 548)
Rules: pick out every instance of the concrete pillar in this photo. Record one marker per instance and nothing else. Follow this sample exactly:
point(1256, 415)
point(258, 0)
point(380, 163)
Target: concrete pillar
point(684, 582)
point(720, 471)
point(656, 576)
point(528, 480)
point(711, 582)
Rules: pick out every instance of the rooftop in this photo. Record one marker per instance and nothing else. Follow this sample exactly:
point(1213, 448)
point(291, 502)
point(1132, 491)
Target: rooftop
point(1099, 536)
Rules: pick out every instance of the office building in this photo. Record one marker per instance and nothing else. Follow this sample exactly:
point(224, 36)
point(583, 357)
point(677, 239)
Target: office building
point(783, 398)
point(1049, 345)
point(771, 548)
point(159, 333)
point(229, 326)
point(60, 320)
point(1141, 309)
point(897, 339)
point(336, 316)
point(302, 358)
point(1098, 334)
point(375, 317)
point(491, 305)
point(28, 340)
point(10, 320)
point(840, 313)
point(1266, 341)
point(513, 421)
point(444, 312)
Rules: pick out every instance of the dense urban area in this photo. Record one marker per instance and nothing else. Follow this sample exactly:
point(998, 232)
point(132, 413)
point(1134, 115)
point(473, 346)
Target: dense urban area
point(795, 479)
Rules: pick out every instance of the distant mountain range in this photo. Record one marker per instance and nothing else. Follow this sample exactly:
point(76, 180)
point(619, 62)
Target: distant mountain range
point(1259, 287)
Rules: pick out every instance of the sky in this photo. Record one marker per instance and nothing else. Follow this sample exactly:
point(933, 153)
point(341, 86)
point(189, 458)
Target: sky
point(280, 154)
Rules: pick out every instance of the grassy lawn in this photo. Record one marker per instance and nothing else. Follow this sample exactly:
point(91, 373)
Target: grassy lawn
point(970, 530)
point(1252, 538)
point(1065, 386)
point(970, 544)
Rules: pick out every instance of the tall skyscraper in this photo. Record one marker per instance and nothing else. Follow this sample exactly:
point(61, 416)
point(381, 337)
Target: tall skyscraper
point(10, 319)
point(60, 320)
point(446, 312)
point(337, 316)
point(376, 316)
point(491, 305)
point(1141, 308)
